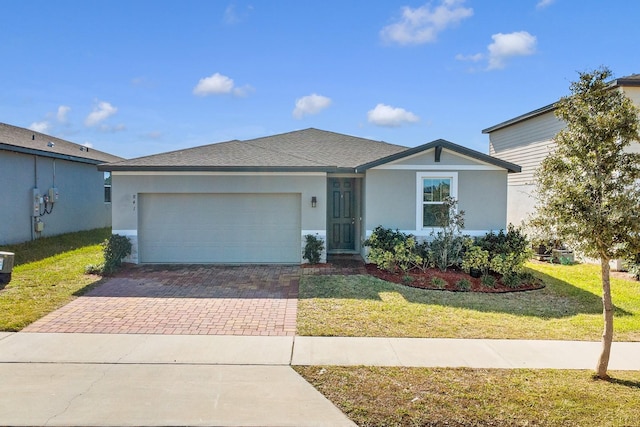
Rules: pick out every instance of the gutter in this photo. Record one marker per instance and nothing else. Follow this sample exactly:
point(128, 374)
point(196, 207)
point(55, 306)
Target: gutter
point(41, 153)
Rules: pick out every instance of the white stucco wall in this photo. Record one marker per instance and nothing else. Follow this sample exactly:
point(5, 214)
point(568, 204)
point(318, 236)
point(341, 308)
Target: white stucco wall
point(127, 186)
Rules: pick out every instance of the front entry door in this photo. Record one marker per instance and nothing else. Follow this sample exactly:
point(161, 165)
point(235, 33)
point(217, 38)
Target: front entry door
point(342, 215)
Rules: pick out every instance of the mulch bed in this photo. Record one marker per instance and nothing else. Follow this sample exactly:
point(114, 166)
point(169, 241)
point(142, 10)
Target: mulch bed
point(418, 279)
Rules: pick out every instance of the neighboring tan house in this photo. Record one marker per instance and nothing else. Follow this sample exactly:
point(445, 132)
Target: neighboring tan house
point(49, 186)
point(254, 201)
point(527, 139)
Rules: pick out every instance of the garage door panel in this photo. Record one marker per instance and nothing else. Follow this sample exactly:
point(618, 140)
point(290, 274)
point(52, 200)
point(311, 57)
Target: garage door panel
point(219, 228)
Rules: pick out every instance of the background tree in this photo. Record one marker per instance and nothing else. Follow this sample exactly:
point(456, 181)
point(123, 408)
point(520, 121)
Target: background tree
point(587, 188)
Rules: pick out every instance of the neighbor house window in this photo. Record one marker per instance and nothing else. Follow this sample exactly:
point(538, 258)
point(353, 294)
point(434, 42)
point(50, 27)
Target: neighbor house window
point(433, 188)
point(107, 187)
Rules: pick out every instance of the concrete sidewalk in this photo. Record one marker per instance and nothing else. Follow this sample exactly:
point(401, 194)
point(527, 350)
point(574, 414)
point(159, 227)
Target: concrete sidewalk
point(103, 379)
point(284, 351)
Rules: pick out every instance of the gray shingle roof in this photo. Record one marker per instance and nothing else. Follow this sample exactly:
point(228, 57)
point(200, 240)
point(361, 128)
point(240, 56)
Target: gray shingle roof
point(303, 150)
point(309, 149)
point(23, 140)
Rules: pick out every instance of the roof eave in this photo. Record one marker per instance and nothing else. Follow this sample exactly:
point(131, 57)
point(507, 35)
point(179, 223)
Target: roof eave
point(520, 118)
point(623, 81)
point(31, 151)
point(114, 167)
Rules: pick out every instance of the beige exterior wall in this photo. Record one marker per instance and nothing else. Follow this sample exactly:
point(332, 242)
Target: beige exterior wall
point(127, 186)
point(526, 144)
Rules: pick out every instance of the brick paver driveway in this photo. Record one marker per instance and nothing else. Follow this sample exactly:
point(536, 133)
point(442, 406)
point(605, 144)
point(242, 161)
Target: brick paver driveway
point(186, 299)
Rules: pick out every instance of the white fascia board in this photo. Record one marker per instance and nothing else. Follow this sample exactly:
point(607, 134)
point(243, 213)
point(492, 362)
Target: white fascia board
point(442, 167)
point(217, 173)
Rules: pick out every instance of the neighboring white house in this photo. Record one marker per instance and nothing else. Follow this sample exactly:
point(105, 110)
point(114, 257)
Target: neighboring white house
point(49, 186)
point(527, 139)
point(254, 201)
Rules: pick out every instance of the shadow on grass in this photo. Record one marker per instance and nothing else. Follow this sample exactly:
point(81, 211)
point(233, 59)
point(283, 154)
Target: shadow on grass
point(557, 300)
point(46, 247)
point(626, 383)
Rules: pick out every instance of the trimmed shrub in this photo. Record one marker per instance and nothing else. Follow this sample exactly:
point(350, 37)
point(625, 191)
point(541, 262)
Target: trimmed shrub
point(508, 252)
point(488, 281)
point(463, 285)
point(393, 250)
point(511, 280)
point(476, 257)
point(438, 282)
point(313, 248)
point(526, 277)
point(114, 249)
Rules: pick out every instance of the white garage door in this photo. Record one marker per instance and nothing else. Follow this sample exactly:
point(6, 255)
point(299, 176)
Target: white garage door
point(219, 228)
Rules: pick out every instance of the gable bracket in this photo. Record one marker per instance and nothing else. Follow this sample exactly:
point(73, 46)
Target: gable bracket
point(438, 152)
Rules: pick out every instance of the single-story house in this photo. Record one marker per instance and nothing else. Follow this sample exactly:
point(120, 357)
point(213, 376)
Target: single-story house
point(253, 201)
point(49, 186)
point(527, 139)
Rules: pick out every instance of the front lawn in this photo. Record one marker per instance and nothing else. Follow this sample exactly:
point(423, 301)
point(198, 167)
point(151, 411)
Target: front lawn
point(48, 273)
point(569, 308)
point(374, 396)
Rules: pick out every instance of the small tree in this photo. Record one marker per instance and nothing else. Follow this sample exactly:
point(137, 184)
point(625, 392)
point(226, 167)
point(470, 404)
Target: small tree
point(447, 245)
point(587, 188)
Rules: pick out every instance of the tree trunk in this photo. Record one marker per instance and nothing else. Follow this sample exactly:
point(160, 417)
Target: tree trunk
point(607, 311)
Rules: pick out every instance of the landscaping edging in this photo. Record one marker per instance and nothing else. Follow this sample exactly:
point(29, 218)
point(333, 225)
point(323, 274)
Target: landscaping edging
point(423, 281)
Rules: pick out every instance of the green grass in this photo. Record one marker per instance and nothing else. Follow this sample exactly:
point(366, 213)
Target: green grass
point(373, 396)
point(569, 308)
point(48, 273)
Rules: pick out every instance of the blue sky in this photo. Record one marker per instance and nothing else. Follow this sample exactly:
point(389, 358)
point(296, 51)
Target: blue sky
point(134, 78)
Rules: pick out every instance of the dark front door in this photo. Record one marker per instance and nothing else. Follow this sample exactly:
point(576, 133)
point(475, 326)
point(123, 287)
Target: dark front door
point(342, 215)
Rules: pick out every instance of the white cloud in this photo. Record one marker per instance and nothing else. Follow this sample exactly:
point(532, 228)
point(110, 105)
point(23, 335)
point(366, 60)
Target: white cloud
point(473, 58)
point(310, 104)
point(214, 85)
point(233, 16)
point(112, 129)
point(230, 16)
point(504, 46)
point(153, 135)
point(218, 84)
point(61, 115)
point(100, 112)
point(544, 3)
point(88, 145)
point(41, 127)
point(386, 115)
point(422, 25)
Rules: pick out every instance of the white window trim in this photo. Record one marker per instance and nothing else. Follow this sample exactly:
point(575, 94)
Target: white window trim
point(420, 176)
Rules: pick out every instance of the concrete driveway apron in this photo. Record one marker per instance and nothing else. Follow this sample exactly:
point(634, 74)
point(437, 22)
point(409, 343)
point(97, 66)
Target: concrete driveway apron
point(186, 299)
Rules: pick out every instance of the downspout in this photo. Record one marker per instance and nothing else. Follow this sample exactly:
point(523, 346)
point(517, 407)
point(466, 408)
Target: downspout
point(35, 185)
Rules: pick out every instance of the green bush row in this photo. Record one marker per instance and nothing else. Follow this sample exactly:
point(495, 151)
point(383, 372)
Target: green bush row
point(393, 250)
point(501, 253)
